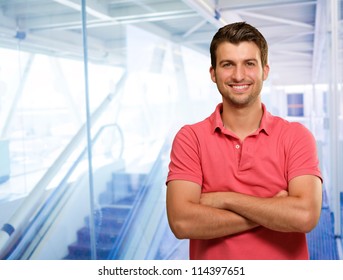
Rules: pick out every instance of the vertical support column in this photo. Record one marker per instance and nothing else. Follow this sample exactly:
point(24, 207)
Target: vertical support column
point(333, 113)
point(88, 133)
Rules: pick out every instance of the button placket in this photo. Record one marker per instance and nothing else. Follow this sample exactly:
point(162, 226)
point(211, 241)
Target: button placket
point(247, 154)
point(238, 151)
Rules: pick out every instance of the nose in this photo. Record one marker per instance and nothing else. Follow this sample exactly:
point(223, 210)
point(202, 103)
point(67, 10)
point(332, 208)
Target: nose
point(238, 73)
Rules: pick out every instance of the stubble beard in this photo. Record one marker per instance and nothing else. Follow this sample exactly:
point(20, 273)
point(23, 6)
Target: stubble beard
point(238, 101)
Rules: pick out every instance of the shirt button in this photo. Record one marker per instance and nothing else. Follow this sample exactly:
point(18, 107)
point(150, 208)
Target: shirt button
point(237, 146)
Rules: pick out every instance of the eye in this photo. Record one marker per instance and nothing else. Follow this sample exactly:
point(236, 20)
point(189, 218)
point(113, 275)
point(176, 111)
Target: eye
point(227, 64)
point(251, 63)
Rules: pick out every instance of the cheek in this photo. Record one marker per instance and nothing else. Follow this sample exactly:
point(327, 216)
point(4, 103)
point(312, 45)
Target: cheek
point(257, 76)
point(222, 76)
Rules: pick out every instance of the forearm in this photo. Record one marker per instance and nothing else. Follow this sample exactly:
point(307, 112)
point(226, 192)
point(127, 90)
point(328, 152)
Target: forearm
point(295, 210)
point(204, 222)
point(286, 214)
point(188, 218)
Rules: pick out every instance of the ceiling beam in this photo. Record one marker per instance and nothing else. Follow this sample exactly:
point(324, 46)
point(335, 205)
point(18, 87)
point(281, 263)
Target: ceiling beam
point(92, 23)
point(93, 8)
point(208, 10)
point(271, 5)
point(320, 38)
point(194, 28)
point(277, 19)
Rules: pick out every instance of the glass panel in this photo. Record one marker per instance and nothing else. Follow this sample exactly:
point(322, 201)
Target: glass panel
point(142, 88)
point(42, 109)
point(136, 102)
point(150, 98)
point(340, 112)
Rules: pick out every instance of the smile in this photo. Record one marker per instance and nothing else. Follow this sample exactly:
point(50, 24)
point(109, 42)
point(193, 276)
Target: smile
point(241, 87)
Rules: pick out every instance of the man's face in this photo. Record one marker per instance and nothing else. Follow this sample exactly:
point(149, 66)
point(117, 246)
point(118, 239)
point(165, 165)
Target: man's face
point(239, 74)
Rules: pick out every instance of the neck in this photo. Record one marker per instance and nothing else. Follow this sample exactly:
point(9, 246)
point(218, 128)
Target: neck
point(242, 121)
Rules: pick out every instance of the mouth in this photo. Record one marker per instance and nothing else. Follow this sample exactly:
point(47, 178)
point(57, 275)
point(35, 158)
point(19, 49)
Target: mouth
point(240, 87)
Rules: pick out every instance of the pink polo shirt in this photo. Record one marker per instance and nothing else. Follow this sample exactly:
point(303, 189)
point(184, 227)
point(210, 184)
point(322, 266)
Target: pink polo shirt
point(262, 165)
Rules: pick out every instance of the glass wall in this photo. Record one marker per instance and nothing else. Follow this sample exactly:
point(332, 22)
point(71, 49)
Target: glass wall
point(335, 111)
point(137, 88)
point(77, 146)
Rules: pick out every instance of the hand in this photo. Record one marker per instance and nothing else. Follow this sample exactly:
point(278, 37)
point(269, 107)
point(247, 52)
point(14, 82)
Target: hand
point(282, 193)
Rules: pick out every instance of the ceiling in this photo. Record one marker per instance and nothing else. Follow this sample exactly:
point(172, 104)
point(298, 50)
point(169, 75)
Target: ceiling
point(294, 29)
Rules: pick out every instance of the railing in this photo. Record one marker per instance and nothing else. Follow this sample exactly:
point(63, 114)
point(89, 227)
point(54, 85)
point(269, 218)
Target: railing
point(143, 230)
point(12, 230)
point(147, 215)
point(49, 211)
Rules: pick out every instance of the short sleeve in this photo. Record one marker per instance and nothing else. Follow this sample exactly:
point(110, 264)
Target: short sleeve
point(185, 161)
point(302, 152)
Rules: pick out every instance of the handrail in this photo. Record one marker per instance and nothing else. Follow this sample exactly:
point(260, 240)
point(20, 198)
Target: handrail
point(137, 209)
point(12, 229)
point(57, 196)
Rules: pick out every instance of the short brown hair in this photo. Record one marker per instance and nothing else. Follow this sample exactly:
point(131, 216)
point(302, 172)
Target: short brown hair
point(236, 33)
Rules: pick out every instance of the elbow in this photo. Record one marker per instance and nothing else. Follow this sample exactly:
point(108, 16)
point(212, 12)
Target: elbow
point(308, 222)
point(179, 229)
point(180, 226)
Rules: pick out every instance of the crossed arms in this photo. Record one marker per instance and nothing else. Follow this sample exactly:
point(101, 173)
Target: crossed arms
point(196, 215)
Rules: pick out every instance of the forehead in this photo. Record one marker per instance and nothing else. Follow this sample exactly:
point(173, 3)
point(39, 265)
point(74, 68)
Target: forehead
point(243, 50)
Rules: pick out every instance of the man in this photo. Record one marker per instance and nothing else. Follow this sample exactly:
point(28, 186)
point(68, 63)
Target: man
point(243, 184)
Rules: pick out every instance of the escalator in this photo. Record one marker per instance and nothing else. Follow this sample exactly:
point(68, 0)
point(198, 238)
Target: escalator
point(73, 213)
point(109, 218)
point(128, 223)
point(129, 220)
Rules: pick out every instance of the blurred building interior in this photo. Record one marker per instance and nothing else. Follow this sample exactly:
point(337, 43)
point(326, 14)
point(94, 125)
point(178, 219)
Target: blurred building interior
point(93, 91)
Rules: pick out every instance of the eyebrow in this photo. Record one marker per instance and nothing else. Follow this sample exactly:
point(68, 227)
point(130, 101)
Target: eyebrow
point(232, 61)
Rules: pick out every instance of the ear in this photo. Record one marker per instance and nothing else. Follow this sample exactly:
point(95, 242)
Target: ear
point(213, 74)
point(266, 69)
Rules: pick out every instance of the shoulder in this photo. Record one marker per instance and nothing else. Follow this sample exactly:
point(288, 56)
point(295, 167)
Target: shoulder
point(201, 131)
point(296, 136)
point(196, 130)
point(288, 128)
point(290, 134)
point(298, 130)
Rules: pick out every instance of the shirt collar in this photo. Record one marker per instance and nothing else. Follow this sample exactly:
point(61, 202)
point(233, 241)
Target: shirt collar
point(217, 123)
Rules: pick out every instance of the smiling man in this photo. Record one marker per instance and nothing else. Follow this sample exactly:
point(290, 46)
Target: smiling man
point(243, 184)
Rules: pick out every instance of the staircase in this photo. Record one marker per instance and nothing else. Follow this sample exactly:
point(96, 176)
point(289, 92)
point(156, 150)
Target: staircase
point(321, 241)
point(114, 207)
point(117, 201)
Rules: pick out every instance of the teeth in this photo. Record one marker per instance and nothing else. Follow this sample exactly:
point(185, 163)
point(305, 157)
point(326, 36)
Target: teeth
point(240, 87)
